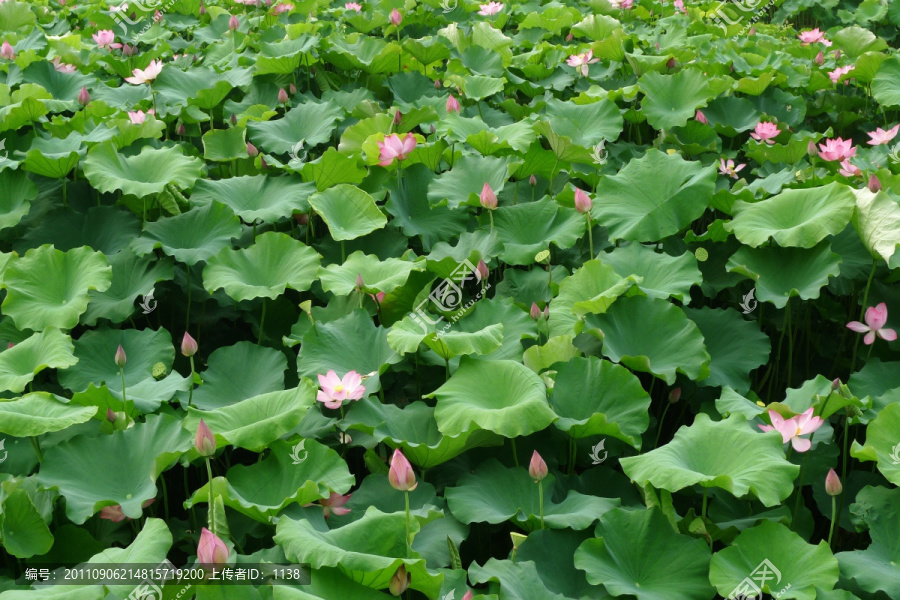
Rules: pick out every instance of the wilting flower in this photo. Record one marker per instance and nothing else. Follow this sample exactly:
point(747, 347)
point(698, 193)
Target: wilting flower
point(334, 390)
point(453, 104)
point(813, 36)
point(488, 197)
point(401, 475)
point(233, 23)
point(115, 514)
point(353, 6)
point(876, 318)
point(211, 551)
point(396, 18)
point(105, 38)
point(491, 8)
point(334, 503)
point(839, 72)
point(581, 61)
point(84, 97)
point(880, 136)
point(63, 67)
point(537, 468)
point(583, 202)
point(700, 117)
point(833, 485)
point(874, 184)
point(764, 132)
point(393, 148)
point(6, 51)
point(204, 441)
point(791, 429)
point(146, 75)
point(848, 169)
point(120, 357)
point(728, 168)
point(400, 581)
point(188, 345)
point(139, 116)
point(837, 149)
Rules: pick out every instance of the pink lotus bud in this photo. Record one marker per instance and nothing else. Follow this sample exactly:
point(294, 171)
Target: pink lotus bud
point(431, 128)
point(110, 415)
point(10, 345)
point(233, 119)
point(535, 311)
point(251, 150)
point(700, 117)
point(204, 441)
point(211, 551)
point(820, 58)
point(359, 281)
point(292, 89)
point(874, 184)
point(83, 96)
point(583, 202)
point(657, 46)
point(282, 96)
point(180, 130)
point(836, 384)
point(157, 16)
point(811, 148)
point(546, 312)
point(401, 474)
point(396, 18)
point(468, 595)
point(538, 468)
point(837, 55)
point(670, 64)
point(397, 118)
point(437, 84)
point(188, 345)
point(488, 197)
point(532, 181)
point(202, 9)
point(302, 218)
point(833, 485)
point(570, 37)
point(379, 298)
point(453, 105)
point(6, 51)
point(120, 357)
point(675, 395)
point(233, 23)
point(263, 164)
point(481, 271)
point(752, 31)
point(128, 50)
point(400, 581)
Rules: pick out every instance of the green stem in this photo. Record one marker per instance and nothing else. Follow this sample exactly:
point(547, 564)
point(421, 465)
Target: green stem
point(845, 459)
point(262, 321)
point(191, 393)
point(862, 314)
point(447, 364)
point(37, 448)
point(572, 450)
point(343, 252)
point(703, 508)
point(122, 373)
point(833, 517)
point(165, 492)
point(661, 419)
point(210, 509)
point(799, 494)
point(541, 501)
point(514, 453)
point(491, 214)
point(408, 541)
point(790, 365)
point(590, 235)
point(187, 318)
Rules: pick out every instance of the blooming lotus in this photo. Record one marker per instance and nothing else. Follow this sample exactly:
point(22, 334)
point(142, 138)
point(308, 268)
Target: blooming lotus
point(393, 148)
point(282, 7)
point(791, 429)
point(624, 4)
point(764, 132)
point(876, 318)
point(581, 61)
point(813, 36)
point(211, 551)
point(880, 136)
point(679, 6)
point(837, 149)
point(848, 169)
point(489, 9)
point(105, 38)
point(839, 72)
point(334, 504)
point(146, 75)
point(335, 390)
point(353, 6)
point(62, 67)
point(139, 116)
point(728, 168)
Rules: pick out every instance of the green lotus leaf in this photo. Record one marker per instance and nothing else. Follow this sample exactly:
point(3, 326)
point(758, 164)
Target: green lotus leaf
point(484, 138)
point(877, 221)
point(39, 413)
point(885, 89)
point(106, 229)
point(653, 336)
point(274, 262)
point(197, 86)
point(727, 454)
point(515, 404)
point(255, 197)
point(222, 145)
point(490, 312)
point(882, 443)
point(875, 568)
point(408, 204)
point(781, 273)
point(662, 275)
point(18, 114)
point(131, 277)
point(495, 494)
point(18, 192)
point(22, 528)
point(312, 122)
point(49, 288)
point(236, 373)
point(48, 349)
point(670, 100)
point(407, 334)
point(732, 356)
point(636, 552)
point(378, 275)
point(777, 556)
point(519, 580)
point(591, 288)
point(142, 174)
point(526, 229)
point(53, 157)
point(368, 551)
point(191, 237)
point(794, 218)
point(93, 472)
point(462, 185)
point(583, 125)
point(596, 397)
point(348, 211)
point(654, 196)
point(256, 422)
point(414, 430)
point(559, 349)
point(298, 473)
point(552, 551)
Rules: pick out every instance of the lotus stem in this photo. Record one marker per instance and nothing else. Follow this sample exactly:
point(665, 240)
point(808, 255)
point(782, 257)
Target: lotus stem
point(187, 318)
point(541, 501)
point(262, 321)
point(122, 373)
point(165, 492)
point(212, 512)
point(661, 419)
point(833, 517)
point(408, 540)
point(799, 494)
point(703, 508)
point(191, 393)
point(343, 252)
point(514, 453)
point(37, 448)
point(590, 235)
point(491, 215)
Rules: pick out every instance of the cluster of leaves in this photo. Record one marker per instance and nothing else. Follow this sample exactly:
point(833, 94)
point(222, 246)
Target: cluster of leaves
point(637, 340)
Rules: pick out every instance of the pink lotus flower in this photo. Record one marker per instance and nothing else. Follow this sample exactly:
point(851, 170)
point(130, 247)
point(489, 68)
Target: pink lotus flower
point(581, 61)
point(837, 149)
point(204, 441)
point(813, 36)
point(188, 345)
point(537, 468)
point(728, 168)
point(489, 9)
point(63, 67)
point(334, 504)
point(481, 271)
point(115, 514)
point(84, 97)
point(764, 132)
point(105, 38)
point(139, 116)
point(623, 4)
point(146, 75)
point(396, 18)
point(679, 6)
point(791, 429)
point(700, 117)
point(880, 136)
point(535, 312)
point(400, 581)
point(335, 390)
point(353, 6)
point(282, 7)
point(583, 202)
point(488, 198)
point(211, 551)
point(453, 105)
point(6, 51)
point(838, 73)
point(833, 485)
point(848, 169)
point(233, 23)
point(393, 148)
point(120, 357)
point(401, 475)
point(876, 318)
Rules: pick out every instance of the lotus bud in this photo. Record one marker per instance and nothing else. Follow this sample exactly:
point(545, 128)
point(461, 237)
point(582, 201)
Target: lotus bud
point(488, 197)
point(398, 116)
point(211, 551)
point(204, 441)
point(157, 16)
point(437, 84)
point(282, 96)
point(128, 50)
point(251, 150)
point(292, 89)
point(820, 58)
point(670, 64)
point(874, 184)
point(468, 595)
point(180, 130)
point(7, 52)
point(401, 474)
point(675, 395)
point(700, 117)
point(84, 96)
point(570, 37)
point(359, 281)
point(833, 485)
point(752, 31)
point(202, 9)
point(379, 298)
point(535, 311)
point(120, 357)
point(262, 163)
point(431, 128)
point(546, 312)
point(538, 468)
point(481, 271)
point(532, 181)
point(233, 23)
point(583, 202)
point(453, 105)
point(811, 148)
point(233, 119)
point(837, 55)
point(400, 581)
point(10, 345)
point(301, 218)
point(396, 18)
point(110, 415)
point(188, 345)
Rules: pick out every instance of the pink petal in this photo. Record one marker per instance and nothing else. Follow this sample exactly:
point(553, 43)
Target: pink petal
point(876, 316)
point(869, 339)
point(857, 327)
point(887, 334)
point(801, 444)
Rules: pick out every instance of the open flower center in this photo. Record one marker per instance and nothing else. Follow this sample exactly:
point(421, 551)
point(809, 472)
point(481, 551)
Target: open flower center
point(340, 388)
point(798, 431)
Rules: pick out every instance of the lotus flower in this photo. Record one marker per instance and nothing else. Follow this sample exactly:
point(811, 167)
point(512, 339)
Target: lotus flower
point(204, 441)
point(489, 9)
point(764, 132)
point(233, 23)
point(623, 4)
point(488, 197)
point(393, 148)
point(335, 390)
point(874, 184)
point(833, 485)
point(62, 67)
point(251, 150)
point(791, 429)
point(105, 38)
point(146, 75)
point(837, 149)
point(537, 468)
point(115, 514)
point(700, 117)
point(6, 51)
point(139, 116)
point(282, 7)
point(453, 104)
point(839, 72)
point(401, 475)
point(675, 395)
point(535, 311)
point(120, 357)
point(396, 18)
point(211, 551)
point(848, 169)
point(400, 581)
point(728, 168)
point(679, 6)
point(813, 36)
point(876, 318)
point(334, 503)
point(532, 180)
point(880, 136)
point(84, 97)
point(481, 271)
point(467, 596)
point(188, 345)
point(583, 202)
point(282, 96)
point(353, 6)
point(581, 61)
